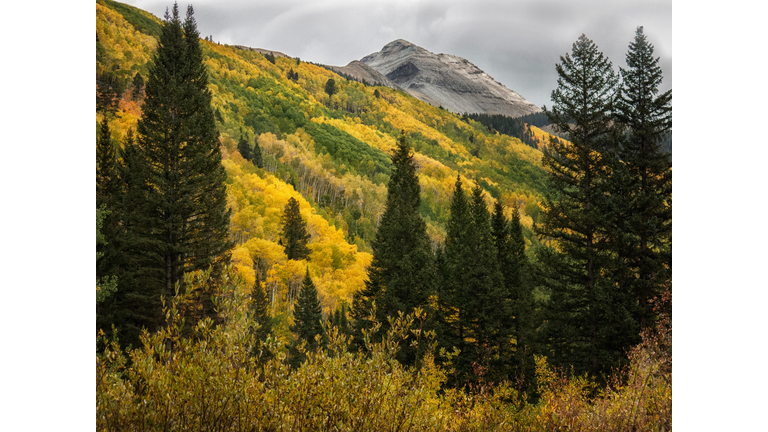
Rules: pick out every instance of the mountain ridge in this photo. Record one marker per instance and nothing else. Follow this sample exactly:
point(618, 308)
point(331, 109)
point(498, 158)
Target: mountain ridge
point(446, 80)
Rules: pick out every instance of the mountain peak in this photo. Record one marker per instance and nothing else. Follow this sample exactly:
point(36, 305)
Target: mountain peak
point(446, 80)
point(397, 42)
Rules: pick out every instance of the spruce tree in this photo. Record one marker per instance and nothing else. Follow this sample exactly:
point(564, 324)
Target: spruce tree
point(330, 87)
point(340, 321)
point(307, 323)
point(108, 93)
point(401, 275)
point(645, 241)
point(474, 306)
point(490, 303)
point(138, 85)
point(587, 317)
point(256, 154)
point(105, 286)
point(136, 305)
point(244, 149)
point(260, 316)
point(456, 262)
point(107, 177)
point(186, 215)
point(108, 192)
point(294, 234)
point(510, 244)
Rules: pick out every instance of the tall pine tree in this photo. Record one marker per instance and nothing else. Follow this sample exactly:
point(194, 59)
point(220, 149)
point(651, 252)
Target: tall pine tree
point(307, 323)
point(455, 261)
point(186, 216)
point(107, 198)
point(340, 321)
point(256, 157)
point(294, 234)
point(588, 320)
point(244, 149)
point(261, 320)
point(137, 303)
point(474, 305)
point(107, 177)
point(645, 244)
point(510, 244)
point(108, 192)
point(401, 275)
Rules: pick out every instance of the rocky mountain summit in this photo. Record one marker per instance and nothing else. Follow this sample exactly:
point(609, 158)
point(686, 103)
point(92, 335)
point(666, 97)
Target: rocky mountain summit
point(446, 80)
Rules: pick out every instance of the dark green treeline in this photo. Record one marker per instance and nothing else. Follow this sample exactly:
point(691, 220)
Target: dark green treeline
point(470, 289)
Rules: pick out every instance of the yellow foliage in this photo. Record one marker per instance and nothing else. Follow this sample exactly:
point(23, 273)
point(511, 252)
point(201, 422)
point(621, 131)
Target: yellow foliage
point(125, 47)
point(257, 205)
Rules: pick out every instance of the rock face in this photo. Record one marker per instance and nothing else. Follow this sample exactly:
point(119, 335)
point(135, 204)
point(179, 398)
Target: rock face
point(446, 80)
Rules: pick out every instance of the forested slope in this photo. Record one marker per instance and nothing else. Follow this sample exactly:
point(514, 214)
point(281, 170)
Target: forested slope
point(330, 151)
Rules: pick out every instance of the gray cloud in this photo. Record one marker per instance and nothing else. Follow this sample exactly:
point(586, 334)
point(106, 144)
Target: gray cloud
point(516, 42)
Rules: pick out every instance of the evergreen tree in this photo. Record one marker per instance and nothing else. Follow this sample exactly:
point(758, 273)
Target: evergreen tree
point(260, 315)
point(187, 218)
point(491, 303)
point(137, 303)
point(138, 85)
point(108, 93)
point(401, 275)
point(107, 178)
point(105, 286)
point(510, 244)
point(294, 76)
point(340, 321)
point(256, 154)
point(330, 87)
point(294, 234)
point(108, 192)
point(456, 261)
point(244, 149)
point(587, 317)
point(307, 323)
point(644, 243)
point(474, 305)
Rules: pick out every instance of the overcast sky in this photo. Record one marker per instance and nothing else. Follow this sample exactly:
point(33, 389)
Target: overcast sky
point(516, 42)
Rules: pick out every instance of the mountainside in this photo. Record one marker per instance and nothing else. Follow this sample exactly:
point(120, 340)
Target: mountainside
point(330, 153)
point(446, 80)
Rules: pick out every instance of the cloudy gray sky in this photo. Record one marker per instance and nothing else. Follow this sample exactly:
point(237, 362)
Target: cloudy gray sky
point(516, 42)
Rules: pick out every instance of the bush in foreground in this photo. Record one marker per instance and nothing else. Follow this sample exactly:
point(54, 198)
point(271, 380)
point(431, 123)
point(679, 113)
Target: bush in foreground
point(213, 380)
